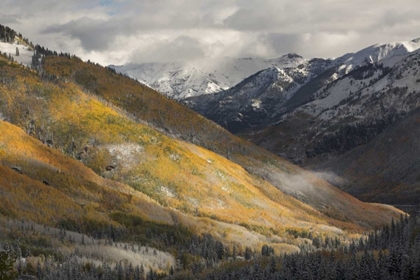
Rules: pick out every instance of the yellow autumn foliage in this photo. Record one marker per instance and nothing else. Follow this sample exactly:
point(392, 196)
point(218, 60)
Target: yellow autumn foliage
point(105, 125)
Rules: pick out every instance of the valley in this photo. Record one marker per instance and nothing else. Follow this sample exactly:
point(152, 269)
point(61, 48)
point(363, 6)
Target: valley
point(104, 177)
point(322, 111)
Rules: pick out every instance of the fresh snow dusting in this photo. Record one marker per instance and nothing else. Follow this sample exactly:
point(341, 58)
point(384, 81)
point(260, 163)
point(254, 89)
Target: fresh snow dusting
point(256, 104)
point(126, 154)
point(167, 192)
point(392, 56)
point(396, 86)
point(379, 52)
point(25, 54)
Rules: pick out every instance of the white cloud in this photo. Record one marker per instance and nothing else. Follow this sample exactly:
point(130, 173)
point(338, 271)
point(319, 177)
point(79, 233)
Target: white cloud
point(115, 31)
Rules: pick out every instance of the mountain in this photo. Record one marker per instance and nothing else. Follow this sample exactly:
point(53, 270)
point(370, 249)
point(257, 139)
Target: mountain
point(379, 52)
point(219, 90)
point(349, 111)
point(263, 98)
point(180, 80)
point(102, 176)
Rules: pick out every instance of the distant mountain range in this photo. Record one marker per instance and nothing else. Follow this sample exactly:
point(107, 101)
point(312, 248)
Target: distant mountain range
point(182, 80)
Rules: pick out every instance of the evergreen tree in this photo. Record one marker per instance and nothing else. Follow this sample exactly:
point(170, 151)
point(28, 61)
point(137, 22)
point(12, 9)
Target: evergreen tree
point(220, 250)
point(248, 253)
point(6, 267)
point(38, 270)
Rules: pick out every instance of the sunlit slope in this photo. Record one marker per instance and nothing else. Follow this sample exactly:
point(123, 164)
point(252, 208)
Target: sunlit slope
point(176, 174)
point(145, 105)
point(40, 184)
point(46, 186)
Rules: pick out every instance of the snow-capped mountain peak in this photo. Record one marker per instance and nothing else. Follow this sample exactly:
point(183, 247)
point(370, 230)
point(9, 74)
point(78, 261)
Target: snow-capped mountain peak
point(182, 80)
point(379, 52)
point(417, 40)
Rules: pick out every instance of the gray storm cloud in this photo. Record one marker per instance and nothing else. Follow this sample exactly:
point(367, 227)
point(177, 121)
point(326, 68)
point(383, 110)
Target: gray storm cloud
point(182, 48)
point(117, 31)
point(94, 34)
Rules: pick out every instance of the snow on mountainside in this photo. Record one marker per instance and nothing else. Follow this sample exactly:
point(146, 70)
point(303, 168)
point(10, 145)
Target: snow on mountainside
point(253, 101)
point(25, 53)
point(366, 81)
point(312, 87)
point(182, 80)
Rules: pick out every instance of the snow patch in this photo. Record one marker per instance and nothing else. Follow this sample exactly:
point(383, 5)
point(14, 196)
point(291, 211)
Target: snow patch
point(226, 189)
point(25, 53)
point(256, 104)
point(166, 191)
point(175, 157)
point(126, 154)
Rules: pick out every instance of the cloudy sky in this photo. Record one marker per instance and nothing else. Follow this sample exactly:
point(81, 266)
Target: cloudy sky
point(120, 31)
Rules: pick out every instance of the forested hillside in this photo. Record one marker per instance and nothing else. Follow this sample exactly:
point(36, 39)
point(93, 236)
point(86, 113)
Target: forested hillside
point(392, 253)
point(102, 177)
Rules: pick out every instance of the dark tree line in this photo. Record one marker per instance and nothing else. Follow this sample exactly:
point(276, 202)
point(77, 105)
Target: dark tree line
point(392, 253)
point(194, 253)
point(72, 269)
point(8, 35)
point(42, 51)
